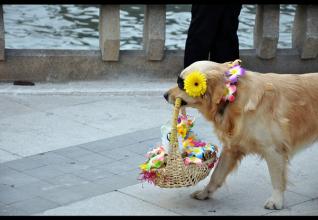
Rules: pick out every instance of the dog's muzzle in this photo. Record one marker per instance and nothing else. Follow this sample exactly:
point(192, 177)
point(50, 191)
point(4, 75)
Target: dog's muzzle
point(166, 96)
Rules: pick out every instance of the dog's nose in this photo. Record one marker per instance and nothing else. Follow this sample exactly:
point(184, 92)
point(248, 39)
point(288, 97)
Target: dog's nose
point(166, 95)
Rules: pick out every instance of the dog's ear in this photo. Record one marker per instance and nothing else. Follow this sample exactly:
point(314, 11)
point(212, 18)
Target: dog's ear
point(215, 87)
point(218, 93)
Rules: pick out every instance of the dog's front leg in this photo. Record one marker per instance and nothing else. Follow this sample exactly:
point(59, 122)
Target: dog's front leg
point(277, 166)
point(227, 162)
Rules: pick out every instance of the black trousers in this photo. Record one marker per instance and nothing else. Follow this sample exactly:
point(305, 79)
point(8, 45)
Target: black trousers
point(212, 34)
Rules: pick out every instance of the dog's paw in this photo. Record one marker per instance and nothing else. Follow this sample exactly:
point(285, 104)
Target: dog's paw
point(200, 195)
point(274, 203)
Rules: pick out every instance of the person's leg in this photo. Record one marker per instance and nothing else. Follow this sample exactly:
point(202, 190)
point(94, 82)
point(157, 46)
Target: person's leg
point(225, 46)
point(203, 28)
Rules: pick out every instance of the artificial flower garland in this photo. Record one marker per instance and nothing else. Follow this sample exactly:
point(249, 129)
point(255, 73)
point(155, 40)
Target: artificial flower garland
point(231, 78)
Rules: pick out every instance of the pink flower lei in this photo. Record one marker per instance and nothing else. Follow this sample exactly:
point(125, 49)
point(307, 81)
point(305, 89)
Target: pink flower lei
point(231, 78)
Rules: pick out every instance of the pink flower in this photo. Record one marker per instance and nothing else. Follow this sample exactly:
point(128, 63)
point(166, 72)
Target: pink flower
point(199, 143)
point(194, 160)
point(229, 92)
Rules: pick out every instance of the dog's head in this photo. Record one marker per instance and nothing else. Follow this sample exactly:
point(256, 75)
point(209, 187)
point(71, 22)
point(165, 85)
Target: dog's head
point(214, 74)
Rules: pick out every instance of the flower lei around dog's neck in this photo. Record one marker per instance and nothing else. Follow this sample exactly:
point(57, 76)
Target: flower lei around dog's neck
point(195, 83)
point(231, 78)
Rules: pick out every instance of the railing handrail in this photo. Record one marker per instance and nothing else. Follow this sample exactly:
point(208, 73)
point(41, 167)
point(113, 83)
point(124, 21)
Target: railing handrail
point(301, 57)
point(2, 35)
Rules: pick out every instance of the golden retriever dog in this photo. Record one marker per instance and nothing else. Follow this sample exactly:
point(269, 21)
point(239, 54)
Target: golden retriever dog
point(273, 116)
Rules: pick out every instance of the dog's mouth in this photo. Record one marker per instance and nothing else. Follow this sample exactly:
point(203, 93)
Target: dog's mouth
point(168, 99)
point(183, 102)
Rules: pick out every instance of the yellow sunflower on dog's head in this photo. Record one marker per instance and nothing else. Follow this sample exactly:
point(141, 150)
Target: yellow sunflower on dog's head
point(195, 84)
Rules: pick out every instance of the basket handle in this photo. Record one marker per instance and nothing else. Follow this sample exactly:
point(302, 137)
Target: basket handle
point(173, 137)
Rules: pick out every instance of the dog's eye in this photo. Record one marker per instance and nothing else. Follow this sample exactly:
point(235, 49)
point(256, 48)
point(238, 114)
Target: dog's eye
point(180, 82)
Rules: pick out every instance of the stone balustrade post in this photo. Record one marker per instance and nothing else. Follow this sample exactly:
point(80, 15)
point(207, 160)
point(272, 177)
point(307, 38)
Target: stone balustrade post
point(305, 31)
point(154, 31)
point(2, 43)
point(266, 31)
point(109, 32)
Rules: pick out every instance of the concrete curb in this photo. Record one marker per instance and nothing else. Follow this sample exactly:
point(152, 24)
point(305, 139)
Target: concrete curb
point(87, 93)
point(126, 87)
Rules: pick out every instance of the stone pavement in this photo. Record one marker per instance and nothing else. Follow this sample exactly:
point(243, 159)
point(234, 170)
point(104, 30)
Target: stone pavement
point(67, 151)
point(59, 177)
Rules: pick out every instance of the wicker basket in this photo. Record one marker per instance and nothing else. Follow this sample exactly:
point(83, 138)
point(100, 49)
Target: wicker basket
point(176, 174)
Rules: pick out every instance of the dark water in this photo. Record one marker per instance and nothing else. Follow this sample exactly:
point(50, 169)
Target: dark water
point(76, 26)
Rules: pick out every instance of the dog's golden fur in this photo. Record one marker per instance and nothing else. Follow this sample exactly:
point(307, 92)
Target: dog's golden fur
point(273, 116)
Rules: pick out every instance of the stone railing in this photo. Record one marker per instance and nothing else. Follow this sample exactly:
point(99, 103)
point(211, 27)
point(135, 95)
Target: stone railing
point(156, 62)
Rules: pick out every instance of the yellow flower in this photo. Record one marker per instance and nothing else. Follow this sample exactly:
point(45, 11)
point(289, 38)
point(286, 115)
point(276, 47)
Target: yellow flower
point(182, 132)
point(143, 166)
point(195, 84)
point(233, 71)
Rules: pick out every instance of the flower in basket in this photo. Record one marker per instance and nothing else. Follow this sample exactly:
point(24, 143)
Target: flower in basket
point(188, 142)
point(185, 123)
point(182, 130)
point(194, 160)
point(195, 152)
point(155, 151)
point(156, 160)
